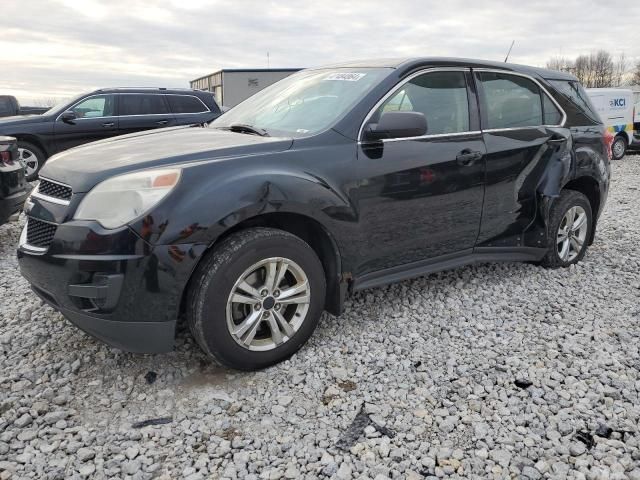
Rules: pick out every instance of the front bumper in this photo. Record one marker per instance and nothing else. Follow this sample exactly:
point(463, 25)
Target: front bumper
point(110, 284)
point(12, 204)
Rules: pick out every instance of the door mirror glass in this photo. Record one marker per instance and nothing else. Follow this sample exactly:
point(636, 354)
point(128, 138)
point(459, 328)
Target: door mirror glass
point(68, 117)
point(398, 125)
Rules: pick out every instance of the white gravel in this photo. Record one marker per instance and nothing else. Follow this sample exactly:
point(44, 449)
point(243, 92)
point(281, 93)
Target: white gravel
point(414, 380)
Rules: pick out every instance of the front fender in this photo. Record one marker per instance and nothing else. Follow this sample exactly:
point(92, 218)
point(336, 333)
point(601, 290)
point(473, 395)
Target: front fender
point(207, 209)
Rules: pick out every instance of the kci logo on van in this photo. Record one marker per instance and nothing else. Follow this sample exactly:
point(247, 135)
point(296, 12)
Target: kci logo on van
point(618, 102)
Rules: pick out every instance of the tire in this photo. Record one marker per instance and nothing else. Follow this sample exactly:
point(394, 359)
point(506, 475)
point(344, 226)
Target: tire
point(618, 147)
point(559, 218)
point(212, 315)
point(33, 158)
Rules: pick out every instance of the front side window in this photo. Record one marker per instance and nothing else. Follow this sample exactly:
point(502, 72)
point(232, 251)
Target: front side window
point(186, 104)
point(95, 107)
point(305, 103)
point(510, 101)
point(440, 96)
point(142, 104)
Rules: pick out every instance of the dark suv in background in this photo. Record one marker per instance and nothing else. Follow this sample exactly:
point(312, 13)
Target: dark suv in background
point(102, 114)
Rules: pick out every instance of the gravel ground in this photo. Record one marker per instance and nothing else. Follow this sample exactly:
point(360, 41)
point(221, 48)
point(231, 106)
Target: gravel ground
point(493, 371)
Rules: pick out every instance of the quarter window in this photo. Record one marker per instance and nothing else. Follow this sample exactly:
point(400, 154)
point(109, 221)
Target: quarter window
point(94, 107)
point(552, 116)
point(185, 104)
point(142, 104)
point(440, 96)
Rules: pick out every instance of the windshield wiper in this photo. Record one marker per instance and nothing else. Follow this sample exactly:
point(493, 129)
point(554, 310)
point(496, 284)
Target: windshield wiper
point(246, 128)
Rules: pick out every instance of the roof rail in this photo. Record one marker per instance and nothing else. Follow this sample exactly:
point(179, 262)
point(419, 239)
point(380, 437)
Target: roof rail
point(142, 88)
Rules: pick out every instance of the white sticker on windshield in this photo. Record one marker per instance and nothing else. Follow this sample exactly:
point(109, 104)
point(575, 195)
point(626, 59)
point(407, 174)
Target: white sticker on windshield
point(345, 77)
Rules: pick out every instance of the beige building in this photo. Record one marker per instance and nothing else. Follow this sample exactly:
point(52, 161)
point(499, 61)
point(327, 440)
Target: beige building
point(232, 86)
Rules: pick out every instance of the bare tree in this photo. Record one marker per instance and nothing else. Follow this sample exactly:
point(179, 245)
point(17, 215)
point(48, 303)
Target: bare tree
point(620, 70)
point(45, 102)
point(560, 63)
point(596, 69)
point(635, 76)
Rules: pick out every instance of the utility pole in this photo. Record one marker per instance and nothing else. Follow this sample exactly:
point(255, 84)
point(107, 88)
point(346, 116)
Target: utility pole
point(509, 52)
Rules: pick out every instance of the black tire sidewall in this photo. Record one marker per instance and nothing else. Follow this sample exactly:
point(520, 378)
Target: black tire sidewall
point(38, 152)
point(616, 140)
point(215, 334)
point(567, 200)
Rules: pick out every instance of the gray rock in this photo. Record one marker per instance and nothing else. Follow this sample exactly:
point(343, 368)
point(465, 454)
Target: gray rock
point(85, 454)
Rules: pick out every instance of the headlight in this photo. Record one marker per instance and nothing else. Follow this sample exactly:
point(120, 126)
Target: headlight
point(121, 199)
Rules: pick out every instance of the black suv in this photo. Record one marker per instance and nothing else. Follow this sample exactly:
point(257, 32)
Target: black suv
point(102, 114)
point(14, 189)
point(332, 180)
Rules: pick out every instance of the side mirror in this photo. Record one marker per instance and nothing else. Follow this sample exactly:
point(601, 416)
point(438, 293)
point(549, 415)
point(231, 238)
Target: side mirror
point(68, 117)
point(397, 125)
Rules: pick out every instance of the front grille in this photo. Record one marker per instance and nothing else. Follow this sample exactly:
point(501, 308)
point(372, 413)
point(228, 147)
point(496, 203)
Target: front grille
point(39, 233)
point(55, 190)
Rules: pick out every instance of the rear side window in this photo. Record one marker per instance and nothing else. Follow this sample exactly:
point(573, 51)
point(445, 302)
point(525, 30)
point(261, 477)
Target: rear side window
point(142, 104)
point(186, 104)
point(510, 101)
point(440, 96)
point(577, 105)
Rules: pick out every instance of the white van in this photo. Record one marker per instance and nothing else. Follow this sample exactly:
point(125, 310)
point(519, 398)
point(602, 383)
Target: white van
point(615, 107)
point(636, 117)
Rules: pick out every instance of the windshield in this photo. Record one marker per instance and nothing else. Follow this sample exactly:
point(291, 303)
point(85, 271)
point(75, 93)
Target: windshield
point(304, 103)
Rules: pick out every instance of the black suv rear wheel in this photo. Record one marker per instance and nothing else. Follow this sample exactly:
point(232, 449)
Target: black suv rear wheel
point(570, 224)
point(256, 298)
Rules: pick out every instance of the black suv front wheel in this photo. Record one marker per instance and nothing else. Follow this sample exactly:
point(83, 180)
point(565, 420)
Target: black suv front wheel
point(570, 224)
point(256, 298)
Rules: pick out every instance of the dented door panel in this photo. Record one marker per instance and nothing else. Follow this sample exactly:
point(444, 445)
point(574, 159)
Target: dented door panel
point(520, 163)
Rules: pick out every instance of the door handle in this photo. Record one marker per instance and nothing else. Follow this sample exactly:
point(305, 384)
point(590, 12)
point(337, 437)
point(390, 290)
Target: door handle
point(162, 122)
point(108, 124)
point(557, 141)
point(468, 157)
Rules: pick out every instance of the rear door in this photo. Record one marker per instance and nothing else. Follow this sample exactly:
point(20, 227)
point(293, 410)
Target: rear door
point(143, 111)
point(188, 109)
point(524, 132)
point(96, 119)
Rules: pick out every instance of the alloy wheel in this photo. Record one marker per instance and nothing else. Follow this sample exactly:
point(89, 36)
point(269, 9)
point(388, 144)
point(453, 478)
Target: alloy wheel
point(572, 233)
point(268, 304)
point(30, 161)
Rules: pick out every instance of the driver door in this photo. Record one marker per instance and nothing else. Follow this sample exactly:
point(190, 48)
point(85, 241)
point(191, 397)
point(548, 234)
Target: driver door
point(420, 198)
point(95, 120)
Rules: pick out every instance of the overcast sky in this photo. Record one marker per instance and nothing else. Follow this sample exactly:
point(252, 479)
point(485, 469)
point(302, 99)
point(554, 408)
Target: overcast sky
point(57, 48)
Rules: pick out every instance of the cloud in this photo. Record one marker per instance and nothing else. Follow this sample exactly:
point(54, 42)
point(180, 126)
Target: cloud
point(62, 47)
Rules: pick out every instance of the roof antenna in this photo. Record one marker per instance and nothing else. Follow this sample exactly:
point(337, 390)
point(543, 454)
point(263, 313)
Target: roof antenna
point(509, 52)
point(268, 66)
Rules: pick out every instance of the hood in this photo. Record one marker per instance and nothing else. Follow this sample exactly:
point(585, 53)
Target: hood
point(84, 167)
point(20, 120)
